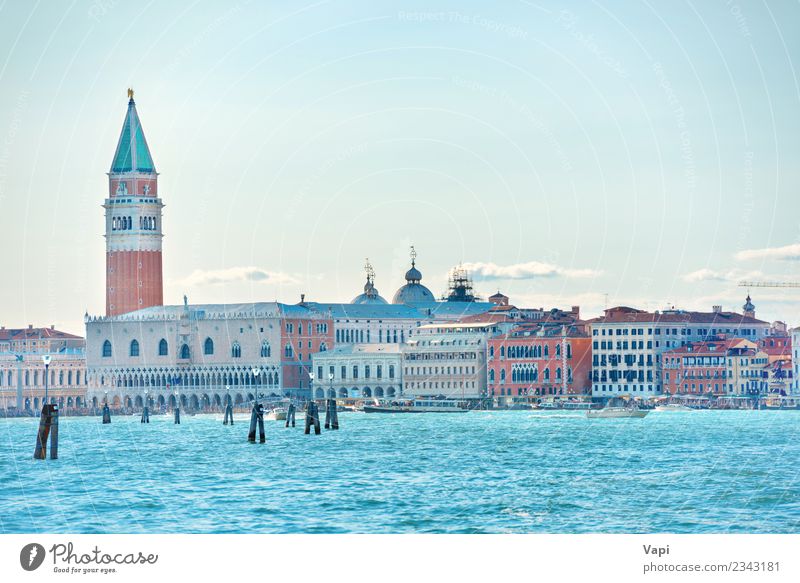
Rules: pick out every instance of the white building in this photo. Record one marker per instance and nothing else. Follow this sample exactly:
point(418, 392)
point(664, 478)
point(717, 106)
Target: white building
point(202, 351)
point(448, 360)
point(627, 344)
point(358, 370)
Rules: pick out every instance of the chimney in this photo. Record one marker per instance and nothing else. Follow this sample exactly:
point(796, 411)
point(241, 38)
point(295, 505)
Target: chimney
point(30, 326)
point(716, 309)
point(576, 311)
point(52, 326)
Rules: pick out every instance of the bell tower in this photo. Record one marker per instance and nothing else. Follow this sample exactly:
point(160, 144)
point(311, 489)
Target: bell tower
point(133, 223)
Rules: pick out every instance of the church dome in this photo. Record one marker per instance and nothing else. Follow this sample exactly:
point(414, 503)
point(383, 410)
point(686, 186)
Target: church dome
point(413, 292)
point(370, 295)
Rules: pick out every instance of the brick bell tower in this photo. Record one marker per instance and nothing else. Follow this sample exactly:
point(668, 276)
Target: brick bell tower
point(133, 223)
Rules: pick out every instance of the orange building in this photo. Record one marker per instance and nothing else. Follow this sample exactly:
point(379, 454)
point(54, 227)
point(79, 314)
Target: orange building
point(546, 358)
point(303, 333)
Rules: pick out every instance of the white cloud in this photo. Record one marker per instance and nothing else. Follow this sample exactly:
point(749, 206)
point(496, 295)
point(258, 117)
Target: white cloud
point(202, 277)
point(529, 270)
point(726, 275)
point(786, 253)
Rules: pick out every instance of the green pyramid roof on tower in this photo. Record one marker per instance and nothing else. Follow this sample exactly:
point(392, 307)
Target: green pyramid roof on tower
point(132, 153)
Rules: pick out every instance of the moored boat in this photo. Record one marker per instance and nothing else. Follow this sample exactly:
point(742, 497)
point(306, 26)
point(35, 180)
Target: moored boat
point(616, 412)
point(416, 406)
point(672, 407)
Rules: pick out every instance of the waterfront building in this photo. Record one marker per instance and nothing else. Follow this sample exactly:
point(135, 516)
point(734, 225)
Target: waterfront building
point(448, 360)
point(795, 346)
point(202, 351)
point(627, 344)
point(358, 370)
point(22, 370)
point(717, 367)
point(133, 223)
point(541, 358)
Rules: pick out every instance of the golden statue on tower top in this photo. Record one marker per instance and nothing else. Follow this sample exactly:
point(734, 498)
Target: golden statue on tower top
point(130, 93)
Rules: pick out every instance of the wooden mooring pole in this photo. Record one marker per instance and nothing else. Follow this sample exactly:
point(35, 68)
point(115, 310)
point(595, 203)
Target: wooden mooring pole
point(257, 419)
point(48, 427)
point(312, 418)
point(290, 415)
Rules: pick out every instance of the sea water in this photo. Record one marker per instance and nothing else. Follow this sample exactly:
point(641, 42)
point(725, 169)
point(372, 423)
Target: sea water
point(478, 472)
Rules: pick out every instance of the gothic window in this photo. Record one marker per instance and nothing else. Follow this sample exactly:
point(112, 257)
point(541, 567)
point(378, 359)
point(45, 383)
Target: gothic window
point(185, 351)
point(106, 348)
point(266, 351)
point(134, 348)
point(491, 375)
point(546, 373)
point(558, 351)
point(236, 350)
point(208, 347)
point(163, 347)
point(558, 374)
point(546, 351)
point(502, 375)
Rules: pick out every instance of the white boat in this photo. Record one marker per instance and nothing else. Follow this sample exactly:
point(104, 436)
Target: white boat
point(276, 415)
point(672, 407)
point(416, 406)
point(616, 412)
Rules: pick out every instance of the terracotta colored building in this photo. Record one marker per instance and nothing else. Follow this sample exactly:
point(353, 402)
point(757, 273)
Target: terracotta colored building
point(548, 358)
point(133, 223)
point(303, 333)
point(720, 366)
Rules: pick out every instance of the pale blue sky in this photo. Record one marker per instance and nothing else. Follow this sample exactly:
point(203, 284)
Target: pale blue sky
point(565, 150)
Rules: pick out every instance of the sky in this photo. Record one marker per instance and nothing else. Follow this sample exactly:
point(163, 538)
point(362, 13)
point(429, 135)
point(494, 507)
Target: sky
point(586, 153)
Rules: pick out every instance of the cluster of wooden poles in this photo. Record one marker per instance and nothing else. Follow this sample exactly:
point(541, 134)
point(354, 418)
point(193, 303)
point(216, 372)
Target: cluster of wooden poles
point(48, 422)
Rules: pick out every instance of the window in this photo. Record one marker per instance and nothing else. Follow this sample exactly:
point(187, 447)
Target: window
point(185, 351)
point(391, 371)
point(319, 373)
point(163, 347)
point(106, 349)
point(491, 375)
point(236, 350)
point(208, 347)
point(366, 372)
point(266, 351)
point(379, 371)
point(344, 372)
point(134, 348)
point(288, 351)
point(355, 371)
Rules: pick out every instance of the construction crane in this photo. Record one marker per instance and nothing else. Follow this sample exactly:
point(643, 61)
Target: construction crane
point(769, 284)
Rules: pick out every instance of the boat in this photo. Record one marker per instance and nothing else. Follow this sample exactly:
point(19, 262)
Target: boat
point(415, 406)
point(616, 412)
point(276, 415)
point(672, 407)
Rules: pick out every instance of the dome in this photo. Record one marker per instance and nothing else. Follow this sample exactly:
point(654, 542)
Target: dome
point(413, 275)
point(412, 293)
point(370, 295)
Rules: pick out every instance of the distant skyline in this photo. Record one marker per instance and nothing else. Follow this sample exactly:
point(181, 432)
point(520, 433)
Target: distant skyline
point(633, 153)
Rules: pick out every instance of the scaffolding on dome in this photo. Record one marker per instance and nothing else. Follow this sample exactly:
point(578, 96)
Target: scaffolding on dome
point(459, 286)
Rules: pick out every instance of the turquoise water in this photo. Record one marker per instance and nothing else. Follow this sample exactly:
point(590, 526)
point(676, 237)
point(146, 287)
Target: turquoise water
point(481, 472)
